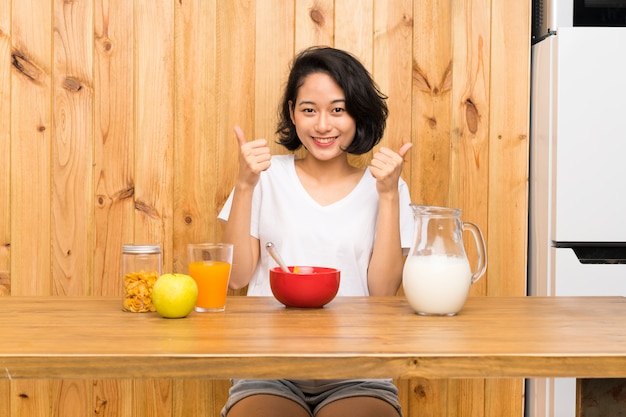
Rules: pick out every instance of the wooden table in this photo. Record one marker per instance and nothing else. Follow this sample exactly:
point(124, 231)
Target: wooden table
point(59, 337)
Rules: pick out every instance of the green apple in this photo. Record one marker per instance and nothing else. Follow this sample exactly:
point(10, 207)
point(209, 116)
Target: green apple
point(174, 295)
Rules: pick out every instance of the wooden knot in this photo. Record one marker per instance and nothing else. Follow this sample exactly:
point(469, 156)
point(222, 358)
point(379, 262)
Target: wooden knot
point(420, 391)
point(317, 16)
point(471, 116)
point(72, 84)
point(27, 68)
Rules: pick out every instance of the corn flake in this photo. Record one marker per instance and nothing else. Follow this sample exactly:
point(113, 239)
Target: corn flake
point(138, 291)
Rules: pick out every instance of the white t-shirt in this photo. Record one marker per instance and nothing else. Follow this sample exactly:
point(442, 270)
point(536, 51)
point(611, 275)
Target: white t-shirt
point(339, 235)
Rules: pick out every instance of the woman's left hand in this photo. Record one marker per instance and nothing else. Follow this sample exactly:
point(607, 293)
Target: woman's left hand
point(386, 167)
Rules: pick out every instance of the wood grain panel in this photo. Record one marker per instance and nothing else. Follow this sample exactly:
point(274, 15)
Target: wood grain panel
point(504, 397)
point(154, 127)
point(472, 392)
point(31, 398)
point(195, 124)
point(31, 128)
point(354, 29)
point(430, 175)
point(112, 398)
point(114, 126)
point(314, 23)
point(70, 398)
point(235, 92)
point(199, 397)
point(509, 142)
point(428, 398)
point(72, 185)
point(152, 398)
point(5, 394)
point(5, 149)
point(470, 119)
point(391, 68)
point(403, 386)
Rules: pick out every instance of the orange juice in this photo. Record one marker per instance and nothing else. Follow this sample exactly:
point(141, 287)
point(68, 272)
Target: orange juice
point(212, 279)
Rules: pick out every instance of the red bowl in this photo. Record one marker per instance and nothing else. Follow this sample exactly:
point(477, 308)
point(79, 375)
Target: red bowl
point(313, 289)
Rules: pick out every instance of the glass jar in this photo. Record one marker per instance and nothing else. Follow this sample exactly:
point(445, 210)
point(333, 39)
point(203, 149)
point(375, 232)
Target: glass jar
point(141, 267)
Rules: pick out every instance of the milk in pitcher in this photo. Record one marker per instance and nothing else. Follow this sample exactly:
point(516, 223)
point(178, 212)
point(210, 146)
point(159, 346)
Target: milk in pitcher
point(436, 284)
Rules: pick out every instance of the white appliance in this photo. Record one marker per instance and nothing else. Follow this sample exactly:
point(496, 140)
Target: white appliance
point(577, 233)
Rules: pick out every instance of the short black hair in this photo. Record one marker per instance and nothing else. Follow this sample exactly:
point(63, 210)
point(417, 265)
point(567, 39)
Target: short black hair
point(365, 103)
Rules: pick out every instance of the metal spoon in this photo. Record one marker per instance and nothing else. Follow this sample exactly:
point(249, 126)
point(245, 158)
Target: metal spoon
point(274, 254)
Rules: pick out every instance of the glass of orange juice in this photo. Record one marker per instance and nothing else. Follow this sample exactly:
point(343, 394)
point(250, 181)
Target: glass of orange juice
point(209, 266)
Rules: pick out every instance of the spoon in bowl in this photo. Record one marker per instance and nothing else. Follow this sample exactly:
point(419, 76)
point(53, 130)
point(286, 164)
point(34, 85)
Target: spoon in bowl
point(274, 254)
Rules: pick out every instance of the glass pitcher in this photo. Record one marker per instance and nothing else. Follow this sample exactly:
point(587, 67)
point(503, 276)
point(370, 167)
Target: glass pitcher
point(437, 277)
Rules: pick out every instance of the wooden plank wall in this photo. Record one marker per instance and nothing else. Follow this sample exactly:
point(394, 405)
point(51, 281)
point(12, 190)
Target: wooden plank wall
point(116, 124)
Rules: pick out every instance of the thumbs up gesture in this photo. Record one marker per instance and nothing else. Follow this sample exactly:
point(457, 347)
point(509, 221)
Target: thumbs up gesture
point(386, 167)
point(254, 157)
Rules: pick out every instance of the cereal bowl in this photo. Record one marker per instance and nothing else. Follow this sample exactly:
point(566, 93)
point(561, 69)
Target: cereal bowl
point(309, 287)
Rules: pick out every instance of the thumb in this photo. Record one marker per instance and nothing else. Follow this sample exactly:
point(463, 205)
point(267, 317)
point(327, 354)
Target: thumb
point(404, 149)
point(241, 139)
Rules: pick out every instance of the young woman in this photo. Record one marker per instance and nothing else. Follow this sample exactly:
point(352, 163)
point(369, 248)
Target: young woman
point(321, 210)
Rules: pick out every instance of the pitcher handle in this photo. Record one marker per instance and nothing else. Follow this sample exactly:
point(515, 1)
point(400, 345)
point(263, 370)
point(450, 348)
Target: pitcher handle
point(481, 266)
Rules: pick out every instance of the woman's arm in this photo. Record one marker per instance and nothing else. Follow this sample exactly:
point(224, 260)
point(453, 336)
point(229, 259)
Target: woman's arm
point(237, 231)
point(254, 157)
point(384, 274)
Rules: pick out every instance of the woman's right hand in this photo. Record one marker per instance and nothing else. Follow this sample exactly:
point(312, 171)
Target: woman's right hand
point(254, 158)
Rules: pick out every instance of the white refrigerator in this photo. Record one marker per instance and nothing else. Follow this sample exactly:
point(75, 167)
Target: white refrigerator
point(577, 213)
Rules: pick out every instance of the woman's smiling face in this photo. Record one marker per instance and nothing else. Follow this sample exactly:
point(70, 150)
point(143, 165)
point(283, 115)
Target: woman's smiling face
point(322, 123)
